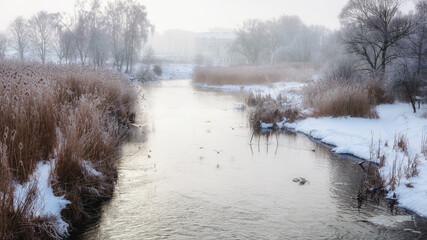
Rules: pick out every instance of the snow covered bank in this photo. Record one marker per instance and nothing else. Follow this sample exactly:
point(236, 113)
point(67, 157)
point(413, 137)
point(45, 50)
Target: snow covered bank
point(356, 136)
point(46, 204)
point(273, 89)
point(176, 71)
point(289, 90)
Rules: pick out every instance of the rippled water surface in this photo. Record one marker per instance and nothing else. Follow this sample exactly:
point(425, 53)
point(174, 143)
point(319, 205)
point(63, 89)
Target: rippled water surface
point(188, 172)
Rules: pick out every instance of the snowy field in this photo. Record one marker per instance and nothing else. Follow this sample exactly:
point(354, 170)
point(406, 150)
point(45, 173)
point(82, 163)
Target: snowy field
point(176, 71)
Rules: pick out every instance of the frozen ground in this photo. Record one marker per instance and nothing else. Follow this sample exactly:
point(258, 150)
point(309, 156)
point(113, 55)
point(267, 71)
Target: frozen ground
point(176, 71)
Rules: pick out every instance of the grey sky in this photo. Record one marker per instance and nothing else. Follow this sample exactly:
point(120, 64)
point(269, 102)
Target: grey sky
point(198, 15)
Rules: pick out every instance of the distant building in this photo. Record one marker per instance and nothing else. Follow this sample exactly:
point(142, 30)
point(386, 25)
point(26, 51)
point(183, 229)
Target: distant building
point(186, 46)
point(177, 45)
point(214, 47)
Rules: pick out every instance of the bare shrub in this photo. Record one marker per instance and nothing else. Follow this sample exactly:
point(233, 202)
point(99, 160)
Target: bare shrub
point(255, 99)
point(241, 75)
point(411, 170)
point(158, 70)
point(272, 113)
point(401, 142)
point(393, 181)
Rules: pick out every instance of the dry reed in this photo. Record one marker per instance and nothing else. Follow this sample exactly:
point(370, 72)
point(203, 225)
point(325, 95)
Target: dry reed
point(338, 98)
point(68, 113)
point(243, 75)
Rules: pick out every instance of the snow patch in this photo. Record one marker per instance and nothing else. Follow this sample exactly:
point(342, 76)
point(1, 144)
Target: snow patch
point(46, 203)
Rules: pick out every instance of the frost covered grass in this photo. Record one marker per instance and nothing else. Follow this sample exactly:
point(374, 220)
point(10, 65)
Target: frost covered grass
point(268, 109)
point(60, 129)
point(244, 75)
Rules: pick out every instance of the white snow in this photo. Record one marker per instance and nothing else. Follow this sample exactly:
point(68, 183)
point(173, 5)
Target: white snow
point(273, 89)
point(354, 136)
point(266, 125)
point(90, 170)
point(176, 71)
point(46, 204)
point(390, 221)
point(240, 107)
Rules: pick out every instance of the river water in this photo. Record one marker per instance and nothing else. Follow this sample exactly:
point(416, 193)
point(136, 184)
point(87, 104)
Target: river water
point(192, 170)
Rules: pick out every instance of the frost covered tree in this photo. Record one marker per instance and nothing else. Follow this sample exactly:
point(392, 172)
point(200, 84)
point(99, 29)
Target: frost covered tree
point(409, 77)
point(281, 34)
point(251, 40)
point(373, 28)
point(41, 31)
point(128, 28)
point(19, 38)
point(64, 45)
point(3, 45)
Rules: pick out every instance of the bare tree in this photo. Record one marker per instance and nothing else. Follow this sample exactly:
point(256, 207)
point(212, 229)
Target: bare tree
point(42, 30)
point(64, 45)
point(19, 36)
point(373, 29)
point(281, 33)
point(3, 45)
point(410, 73)
point(82, 30)
point(114, 21)
point(128, 29)
point(137, 28)
point(251, 40)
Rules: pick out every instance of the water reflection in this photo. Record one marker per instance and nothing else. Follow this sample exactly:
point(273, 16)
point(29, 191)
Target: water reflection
point(194, 170)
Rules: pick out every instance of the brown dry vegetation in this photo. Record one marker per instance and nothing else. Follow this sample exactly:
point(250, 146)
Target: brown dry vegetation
point(340, 98)
point(270, 110)
point(65, 113)
point(242, 75)
point(403, 165)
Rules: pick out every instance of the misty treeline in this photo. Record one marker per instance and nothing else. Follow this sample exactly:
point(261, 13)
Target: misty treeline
point(282, 39)
point(375, 41)
point(92, 35)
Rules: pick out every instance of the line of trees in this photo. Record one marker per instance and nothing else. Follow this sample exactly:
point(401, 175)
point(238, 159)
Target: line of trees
point(286, 38)
point(389, 45)
point(92, 35)
point(376, 40)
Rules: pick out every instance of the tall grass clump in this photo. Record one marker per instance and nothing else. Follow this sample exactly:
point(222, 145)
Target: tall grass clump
point(344, 98)
point(71, 116)
point(243, 75)
point(270, 109)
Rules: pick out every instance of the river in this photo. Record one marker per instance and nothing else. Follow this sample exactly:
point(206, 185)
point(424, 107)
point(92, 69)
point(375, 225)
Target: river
point(192, 170)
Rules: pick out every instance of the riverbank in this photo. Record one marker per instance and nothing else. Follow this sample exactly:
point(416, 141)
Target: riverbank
point(395, 139)
point(61, 128)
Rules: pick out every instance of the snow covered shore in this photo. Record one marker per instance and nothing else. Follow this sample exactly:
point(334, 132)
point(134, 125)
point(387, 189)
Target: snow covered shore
point(356, 135)
point(361, 137)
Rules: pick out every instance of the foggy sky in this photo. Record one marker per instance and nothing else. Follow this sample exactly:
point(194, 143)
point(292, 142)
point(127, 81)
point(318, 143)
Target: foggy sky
point(197, 15)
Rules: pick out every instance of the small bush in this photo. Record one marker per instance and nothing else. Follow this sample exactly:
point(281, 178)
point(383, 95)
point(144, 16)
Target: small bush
point(158, 70)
